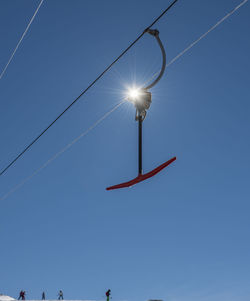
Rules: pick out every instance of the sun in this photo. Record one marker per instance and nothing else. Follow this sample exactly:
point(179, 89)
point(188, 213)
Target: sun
point(133, 93)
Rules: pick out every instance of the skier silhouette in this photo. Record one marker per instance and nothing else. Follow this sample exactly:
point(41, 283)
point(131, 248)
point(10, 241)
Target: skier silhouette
point(60, 295)
point(21, 295)
point(108, 293)
point(43, 296)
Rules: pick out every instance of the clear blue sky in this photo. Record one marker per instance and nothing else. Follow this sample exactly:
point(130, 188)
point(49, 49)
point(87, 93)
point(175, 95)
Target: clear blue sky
point(184, 234)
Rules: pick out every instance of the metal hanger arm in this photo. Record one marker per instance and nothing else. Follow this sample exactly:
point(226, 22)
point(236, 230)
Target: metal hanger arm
point(155, 33)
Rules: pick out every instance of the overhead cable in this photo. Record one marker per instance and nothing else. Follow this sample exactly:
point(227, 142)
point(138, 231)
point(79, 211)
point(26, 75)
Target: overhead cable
point(93, 82)
point(20, 41)
point(206, 33)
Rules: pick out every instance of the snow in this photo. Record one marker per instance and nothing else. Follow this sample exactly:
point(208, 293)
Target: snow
point(54, 299)
point(6, 298)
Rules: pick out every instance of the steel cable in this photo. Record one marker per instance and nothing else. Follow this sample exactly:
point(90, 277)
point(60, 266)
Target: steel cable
point(20, 41)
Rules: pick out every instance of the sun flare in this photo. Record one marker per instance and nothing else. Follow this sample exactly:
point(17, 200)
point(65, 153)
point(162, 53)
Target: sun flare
point(133, 94)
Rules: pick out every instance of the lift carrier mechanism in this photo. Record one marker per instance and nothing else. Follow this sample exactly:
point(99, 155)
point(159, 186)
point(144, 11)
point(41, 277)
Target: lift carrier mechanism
point(142, 101)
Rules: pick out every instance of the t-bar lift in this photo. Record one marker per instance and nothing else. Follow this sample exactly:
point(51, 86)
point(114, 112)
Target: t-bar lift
point(142, 100)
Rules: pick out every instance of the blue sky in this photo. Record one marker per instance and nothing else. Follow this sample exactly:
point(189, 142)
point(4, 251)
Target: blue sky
point(182, 235)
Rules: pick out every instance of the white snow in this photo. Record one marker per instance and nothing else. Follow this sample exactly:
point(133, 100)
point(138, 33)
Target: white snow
point(6, 298)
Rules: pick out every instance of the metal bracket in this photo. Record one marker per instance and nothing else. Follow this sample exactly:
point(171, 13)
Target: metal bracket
point(155, 33)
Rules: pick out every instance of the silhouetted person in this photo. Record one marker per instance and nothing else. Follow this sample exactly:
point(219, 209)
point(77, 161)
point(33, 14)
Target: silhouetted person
point(43, 296)
point(108, 293)
point(21, 295)
point(60, 295)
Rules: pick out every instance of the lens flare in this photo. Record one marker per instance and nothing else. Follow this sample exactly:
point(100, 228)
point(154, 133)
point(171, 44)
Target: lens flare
point(133, 93)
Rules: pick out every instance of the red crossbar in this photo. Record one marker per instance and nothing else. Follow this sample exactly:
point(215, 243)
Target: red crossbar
point(142, 177)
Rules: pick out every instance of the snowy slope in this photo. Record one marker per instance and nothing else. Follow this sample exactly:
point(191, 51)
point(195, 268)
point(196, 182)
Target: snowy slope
point(6, 298)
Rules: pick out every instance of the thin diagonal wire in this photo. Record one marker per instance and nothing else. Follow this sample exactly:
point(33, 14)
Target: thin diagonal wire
point(207, 32)
point(59, 116)
point(200, 38)
point(15, 188)
point(20, 41)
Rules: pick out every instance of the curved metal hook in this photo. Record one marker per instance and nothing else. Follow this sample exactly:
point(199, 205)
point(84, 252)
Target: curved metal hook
point(155, 33)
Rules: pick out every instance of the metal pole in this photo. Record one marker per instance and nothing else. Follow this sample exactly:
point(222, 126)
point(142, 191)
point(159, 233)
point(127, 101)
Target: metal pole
point(140, 145)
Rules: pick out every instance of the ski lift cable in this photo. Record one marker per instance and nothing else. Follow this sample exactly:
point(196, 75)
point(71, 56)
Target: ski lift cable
point(84, 133)
point(90, 85)
point(21, 39)
point(207, 32)
point(201, 37)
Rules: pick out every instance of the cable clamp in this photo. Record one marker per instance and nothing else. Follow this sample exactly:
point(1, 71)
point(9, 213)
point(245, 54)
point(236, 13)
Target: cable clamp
point(153, 32)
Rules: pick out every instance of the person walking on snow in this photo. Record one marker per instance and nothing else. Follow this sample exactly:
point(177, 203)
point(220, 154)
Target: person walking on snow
point(108, 293)
point(21, 295)
point(43, 296)
point(60, 295)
